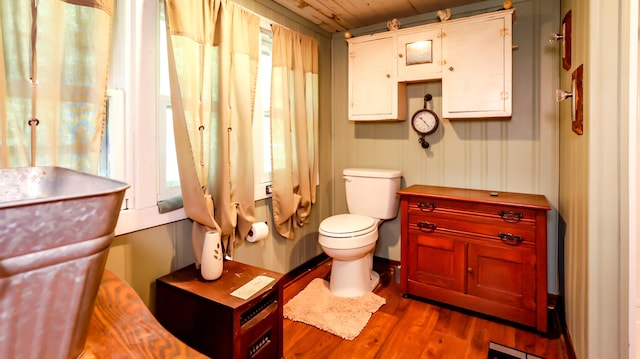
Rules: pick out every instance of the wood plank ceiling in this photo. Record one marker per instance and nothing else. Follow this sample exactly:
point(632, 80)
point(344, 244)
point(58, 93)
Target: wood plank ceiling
point(341, 15)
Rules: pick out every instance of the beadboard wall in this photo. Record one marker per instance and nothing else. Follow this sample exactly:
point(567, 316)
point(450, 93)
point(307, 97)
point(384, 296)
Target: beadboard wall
point(598, 180)
point(516, 155)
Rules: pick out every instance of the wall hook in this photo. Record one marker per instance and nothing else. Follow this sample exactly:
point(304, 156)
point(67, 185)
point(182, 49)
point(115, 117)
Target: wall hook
point(565, 36)
point(553, 37)
point(562, 95)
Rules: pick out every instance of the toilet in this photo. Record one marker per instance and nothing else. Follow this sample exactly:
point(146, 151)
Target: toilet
point(350, 239)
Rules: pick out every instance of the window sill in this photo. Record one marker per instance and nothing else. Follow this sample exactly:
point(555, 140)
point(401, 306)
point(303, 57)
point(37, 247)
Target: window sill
point(133, 220)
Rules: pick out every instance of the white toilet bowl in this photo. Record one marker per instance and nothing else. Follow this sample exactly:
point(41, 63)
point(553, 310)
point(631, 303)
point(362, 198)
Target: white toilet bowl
point(350, 240)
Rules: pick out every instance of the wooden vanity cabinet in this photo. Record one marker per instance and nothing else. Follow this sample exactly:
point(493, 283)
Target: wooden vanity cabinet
point(477, 250)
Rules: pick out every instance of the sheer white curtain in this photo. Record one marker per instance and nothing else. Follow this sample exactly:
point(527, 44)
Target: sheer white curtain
point(213, 60)
point(294, 128)
point(54, 59)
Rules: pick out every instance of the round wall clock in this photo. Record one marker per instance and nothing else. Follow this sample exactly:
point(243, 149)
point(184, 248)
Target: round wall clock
point(425, 122)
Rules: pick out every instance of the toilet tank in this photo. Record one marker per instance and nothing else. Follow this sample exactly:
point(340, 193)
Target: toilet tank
point(372, 192)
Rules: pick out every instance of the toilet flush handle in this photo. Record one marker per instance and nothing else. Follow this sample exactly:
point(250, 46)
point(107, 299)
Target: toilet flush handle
point(347, 178)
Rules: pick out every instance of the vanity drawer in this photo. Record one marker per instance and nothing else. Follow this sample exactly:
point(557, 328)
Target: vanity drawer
point(507, 214)
point(475, 223)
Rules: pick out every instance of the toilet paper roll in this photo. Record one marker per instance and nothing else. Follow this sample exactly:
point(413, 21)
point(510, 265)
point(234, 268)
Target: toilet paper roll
point(259, 231)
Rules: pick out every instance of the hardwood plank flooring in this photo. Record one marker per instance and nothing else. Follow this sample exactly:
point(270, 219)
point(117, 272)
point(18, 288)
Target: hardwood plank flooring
point(411, 328)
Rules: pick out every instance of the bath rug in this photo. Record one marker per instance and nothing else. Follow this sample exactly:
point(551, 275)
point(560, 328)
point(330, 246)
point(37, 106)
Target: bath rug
point(344, 317)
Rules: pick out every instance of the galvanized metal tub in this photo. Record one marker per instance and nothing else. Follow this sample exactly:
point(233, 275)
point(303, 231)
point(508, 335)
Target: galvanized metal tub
point(56, 226)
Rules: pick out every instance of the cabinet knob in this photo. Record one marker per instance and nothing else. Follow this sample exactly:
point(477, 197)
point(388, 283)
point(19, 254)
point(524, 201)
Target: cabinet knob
point(388, 76)
point(400, 55)
point(470, 270)
point(451, 69)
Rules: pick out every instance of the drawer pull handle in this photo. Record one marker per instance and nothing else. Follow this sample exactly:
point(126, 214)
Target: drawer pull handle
point(510, 239)
point(510, 216)
point(426, 206)
point(427, 226)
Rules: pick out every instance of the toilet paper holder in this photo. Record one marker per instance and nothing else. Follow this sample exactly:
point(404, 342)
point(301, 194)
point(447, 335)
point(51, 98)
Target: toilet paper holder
point(258, 231)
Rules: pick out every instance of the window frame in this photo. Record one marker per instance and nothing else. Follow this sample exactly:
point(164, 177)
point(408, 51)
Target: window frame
point(261, 178)
point(165, 138)
point(134, 71)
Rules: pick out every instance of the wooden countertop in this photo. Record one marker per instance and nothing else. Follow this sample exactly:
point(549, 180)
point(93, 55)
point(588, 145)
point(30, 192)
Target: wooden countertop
point(123, 327)
point(234, 276)
point(479, 196)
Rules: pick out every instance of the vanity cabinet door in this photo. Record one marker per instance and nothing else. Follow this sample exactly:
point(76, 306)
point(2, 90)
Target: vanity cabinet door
point(420, 56)
point(437, 261)
point(477, 75)
point(503, 275)
point(374, 91)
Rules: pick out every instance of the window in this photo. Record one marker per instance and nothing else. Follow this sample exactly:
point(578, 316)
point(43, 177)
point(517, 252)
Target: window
point(113, 160)
point(139, 143)
point(133, 109)
point(262, 118)
point(168, 177)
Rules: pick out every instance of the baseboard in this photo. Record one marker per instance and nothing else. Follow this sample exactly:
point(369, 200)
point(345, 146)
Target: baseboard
point(385, 262)
point(304, 268)
point(380, 265)
point(554, 323)
point(565, 335)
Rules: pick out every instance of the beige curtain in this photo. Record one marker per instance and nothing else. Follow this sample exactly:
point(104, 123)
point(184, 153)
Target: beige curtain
point(54, 60)
point(294, 128)
point(213, 60)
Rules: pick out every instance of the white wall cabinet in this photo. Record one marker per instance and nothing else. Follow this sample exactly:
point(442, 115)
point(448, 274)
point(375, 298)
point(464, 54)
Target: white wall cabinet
point(476, 81)
point(374, 91)
point(420, 55)
point(472, 56)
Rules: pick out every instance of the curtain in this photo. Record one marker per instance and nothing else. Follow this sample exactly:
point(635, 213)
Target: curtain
point(294, 128)
point(213, 63)
point(53, 79)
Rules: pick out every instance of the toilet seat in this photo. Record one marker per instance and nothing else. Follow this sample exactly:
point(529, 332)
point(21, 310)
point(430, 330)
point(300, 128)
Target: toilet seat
point(347, 226)
point(348, 231)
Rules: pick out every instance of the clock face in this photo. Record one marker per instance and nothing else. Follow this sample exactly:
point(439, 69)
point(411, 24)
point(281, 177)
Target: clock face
point(425, 122)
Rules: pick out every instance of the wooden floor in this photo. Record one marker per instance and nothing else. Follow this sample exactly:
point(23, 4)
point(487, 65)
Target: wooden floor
point(411, 328)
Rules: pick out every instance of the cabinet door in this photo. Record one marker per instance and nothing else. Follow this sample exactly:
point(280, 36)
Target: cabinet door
point(436, 260)
point(420, 56)
point(476, 78)
point(374, 92)
point(503, 275)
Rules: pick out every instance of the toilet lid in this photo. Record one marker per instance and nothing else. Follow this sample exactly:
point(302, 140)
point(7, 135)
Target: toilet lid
point(347, 225)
